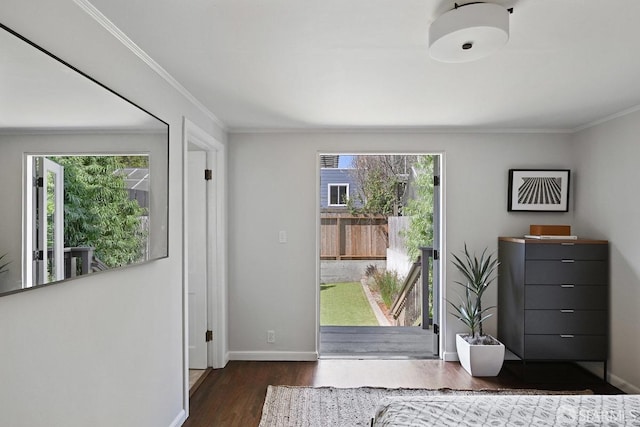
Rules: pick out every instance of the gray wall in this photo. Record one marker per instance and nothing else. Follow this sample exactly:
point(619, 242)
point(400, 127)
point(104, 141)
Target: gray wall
point(280, 289)
point(607, 206)
point(105, 350)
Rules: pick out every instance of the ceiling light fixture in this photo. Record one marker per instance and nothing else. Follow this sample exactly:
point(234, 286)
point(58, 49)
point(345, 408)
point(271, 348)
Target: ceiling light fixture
point(469, 32)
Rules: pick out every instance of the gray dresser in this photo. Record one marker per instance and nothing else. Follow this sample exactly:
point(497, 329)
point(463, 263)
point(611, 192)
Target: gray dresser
point(553, 298)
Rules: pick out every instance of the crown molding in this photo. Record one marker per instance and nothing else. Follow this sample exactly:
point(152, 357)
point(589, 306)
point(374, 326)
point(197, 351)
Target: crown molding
point(396, 129)
point(92, 11)
point(607, 118)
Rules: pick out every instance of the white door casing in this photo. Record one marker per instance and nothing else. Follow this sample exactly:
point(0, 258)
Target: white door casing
point(196, 139)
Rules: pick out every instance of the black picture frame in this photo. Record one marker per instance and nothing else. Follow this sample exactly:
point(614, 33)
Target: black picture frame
point(538, 190)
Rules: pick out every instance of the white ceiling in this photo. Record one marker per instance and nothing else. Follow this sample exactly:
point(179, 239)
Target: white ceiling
point(285, 64)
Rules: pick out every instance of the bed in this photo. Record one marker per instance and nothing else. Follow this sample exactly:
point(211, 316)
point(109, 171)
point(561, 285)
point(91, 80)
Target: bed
point(508, 410)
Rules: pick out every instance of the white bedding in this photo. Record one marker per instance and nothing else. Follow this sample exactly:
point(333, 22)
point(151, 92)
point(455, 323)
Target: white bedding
point(509, 410)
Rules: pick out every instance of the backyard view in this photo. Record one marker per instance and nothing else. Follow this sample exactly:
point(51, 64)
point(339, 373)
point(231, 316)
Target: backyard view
point(376, 214)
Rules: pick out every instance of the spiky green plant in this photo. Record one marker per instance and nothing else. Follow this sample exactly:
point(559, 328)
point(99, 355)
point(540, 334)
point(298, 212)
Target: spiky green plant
point(3, 264)
point(478, 274)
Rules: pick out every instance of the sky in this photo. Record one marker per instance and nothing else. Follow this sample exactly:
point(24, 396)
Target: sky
point(344, 161)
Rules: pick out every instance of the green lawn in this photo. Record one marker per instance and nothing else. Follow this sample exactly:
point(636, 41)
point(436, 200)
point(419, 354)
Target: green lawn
point(345, 304)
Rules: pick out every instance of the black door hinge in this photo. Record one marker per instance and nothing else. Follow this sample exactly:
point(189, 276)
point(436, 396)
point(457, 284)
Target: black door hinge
point(436, 180)
point(38, 182)
point(208, 336)
point(436, 254)
point(436, 329)
point(208, 174)
point(38, 255)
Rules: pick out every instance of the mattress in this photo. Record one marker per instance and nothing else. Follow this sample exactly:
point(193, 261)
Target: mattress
point(509, 410)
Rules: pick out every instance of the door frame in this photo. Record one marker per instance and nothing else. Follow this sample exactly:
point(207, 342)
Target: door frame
point(217, 357)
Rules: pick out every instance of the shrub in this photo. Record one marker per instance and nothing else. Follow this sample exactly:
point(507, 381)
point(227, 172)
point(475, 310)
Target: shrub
point(371, 270)
point(389, 284)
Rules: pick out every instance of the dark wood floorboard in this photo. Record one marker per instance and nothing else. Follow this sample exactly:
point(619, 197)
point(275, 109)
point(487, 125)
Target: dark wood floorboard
point(376, 342)
point(234, 396)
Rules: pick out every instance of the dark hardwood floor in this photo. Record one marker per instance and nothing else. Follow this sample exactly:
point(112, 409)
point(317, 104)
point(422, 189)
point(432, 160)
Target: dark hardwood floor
point(234, 396)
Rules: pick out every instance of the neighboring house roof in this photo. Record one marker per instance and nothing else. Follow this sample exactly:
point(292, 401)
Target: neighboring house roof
point(135, 178)
point(136, 182)
point(329, 160)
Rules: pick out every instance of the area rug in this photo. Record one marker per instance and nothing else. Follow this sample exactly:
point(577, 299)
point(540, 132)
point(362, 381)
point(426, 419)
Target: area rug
point(287, 406)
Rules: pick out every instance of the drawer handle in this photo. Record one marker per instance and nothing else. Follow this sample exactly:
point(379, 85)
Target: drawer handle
point(568, 260)
point(567, 244)
point(566, 336)
point(567, 285)
point(566, 311)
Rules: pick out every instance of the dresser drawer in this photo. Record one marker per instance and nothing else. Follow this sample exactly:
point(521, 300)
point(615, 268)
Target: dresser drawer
point(556, 347)
point(567, 251)
point(575, 272)
point(584, 297)
point(586, 322)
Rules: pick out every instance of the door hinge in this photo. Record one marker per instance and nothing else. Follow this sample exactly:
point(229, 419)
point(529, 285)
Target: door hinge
point(208, 174)
point(208, 336)
point(436, 180)
point(436, 254)
point(38, 182)
point(38, 255)
point(436, 329)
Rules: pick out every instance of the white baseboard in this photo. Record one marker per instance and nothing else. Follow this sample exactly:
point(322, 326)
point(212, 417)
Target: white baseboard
point(179, 420)
point(288, 356)
point(596, 369)
point(623, 385)
point(450, 356)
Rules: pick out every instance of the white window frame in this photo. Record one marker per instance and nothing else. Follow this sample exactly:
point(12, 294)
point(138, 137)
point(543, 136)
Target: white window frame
point(329, 186)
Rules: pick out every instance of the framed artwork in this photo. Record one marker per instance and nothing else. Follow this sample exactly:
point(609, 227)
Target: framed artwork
point(538, 190)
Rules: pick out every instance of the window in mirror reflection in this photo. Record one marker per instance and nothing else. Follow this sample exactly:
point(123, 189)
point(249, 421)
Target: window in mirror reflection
point(88, 213)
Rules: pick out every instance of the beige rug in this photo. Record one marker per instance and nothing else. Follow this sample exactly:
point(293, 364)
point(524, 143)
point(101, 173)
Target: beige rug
point(287, 406)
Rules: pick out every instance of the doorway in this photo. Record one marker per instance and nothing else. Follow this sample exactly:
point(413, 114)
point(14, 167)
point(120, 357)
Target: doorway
point(379, 245)
point(204, 253)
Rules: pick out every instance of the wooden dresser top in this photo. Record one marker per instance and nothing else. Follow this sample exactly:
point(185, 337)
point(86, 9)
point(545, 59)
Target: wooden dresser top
point(552, 241)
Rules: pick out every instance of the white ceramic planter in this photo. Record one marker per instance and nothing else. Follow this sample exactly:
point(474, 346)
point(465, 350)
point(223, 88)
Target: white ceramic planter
point(480, 360)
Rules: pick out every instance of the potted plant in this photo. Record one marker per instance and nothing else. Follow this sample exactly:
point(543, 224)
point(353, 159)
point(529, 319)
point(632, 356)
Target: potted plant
point(480, 355)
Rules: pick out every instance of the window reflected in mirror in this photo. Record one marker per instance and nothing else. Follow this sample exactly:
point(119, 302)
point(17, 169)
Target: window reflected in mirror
point(88, 213)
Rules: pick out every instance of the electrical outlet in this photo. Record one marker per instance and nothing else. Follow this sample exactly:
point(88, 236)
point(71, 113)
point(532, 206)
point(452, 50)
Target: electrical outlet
point(271, 336)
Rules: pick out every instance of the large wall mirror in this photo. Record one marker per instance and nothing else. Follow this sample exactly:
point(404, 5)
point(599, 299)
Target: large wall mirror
point(84, 173)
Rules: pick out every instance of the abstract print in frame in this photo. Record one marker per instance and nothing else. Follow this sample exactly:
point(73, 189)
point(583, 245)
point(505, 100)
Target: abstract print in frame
point(538, 190)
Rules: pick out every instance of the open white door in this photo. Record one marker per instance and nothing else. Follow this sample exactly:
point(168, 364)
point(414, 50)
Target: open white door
point(197, 258)
point(45, 217)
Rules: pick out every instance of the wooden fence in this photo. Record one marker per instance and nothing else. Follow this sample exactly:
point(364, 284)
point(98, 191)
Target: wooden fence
point(345, 236)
